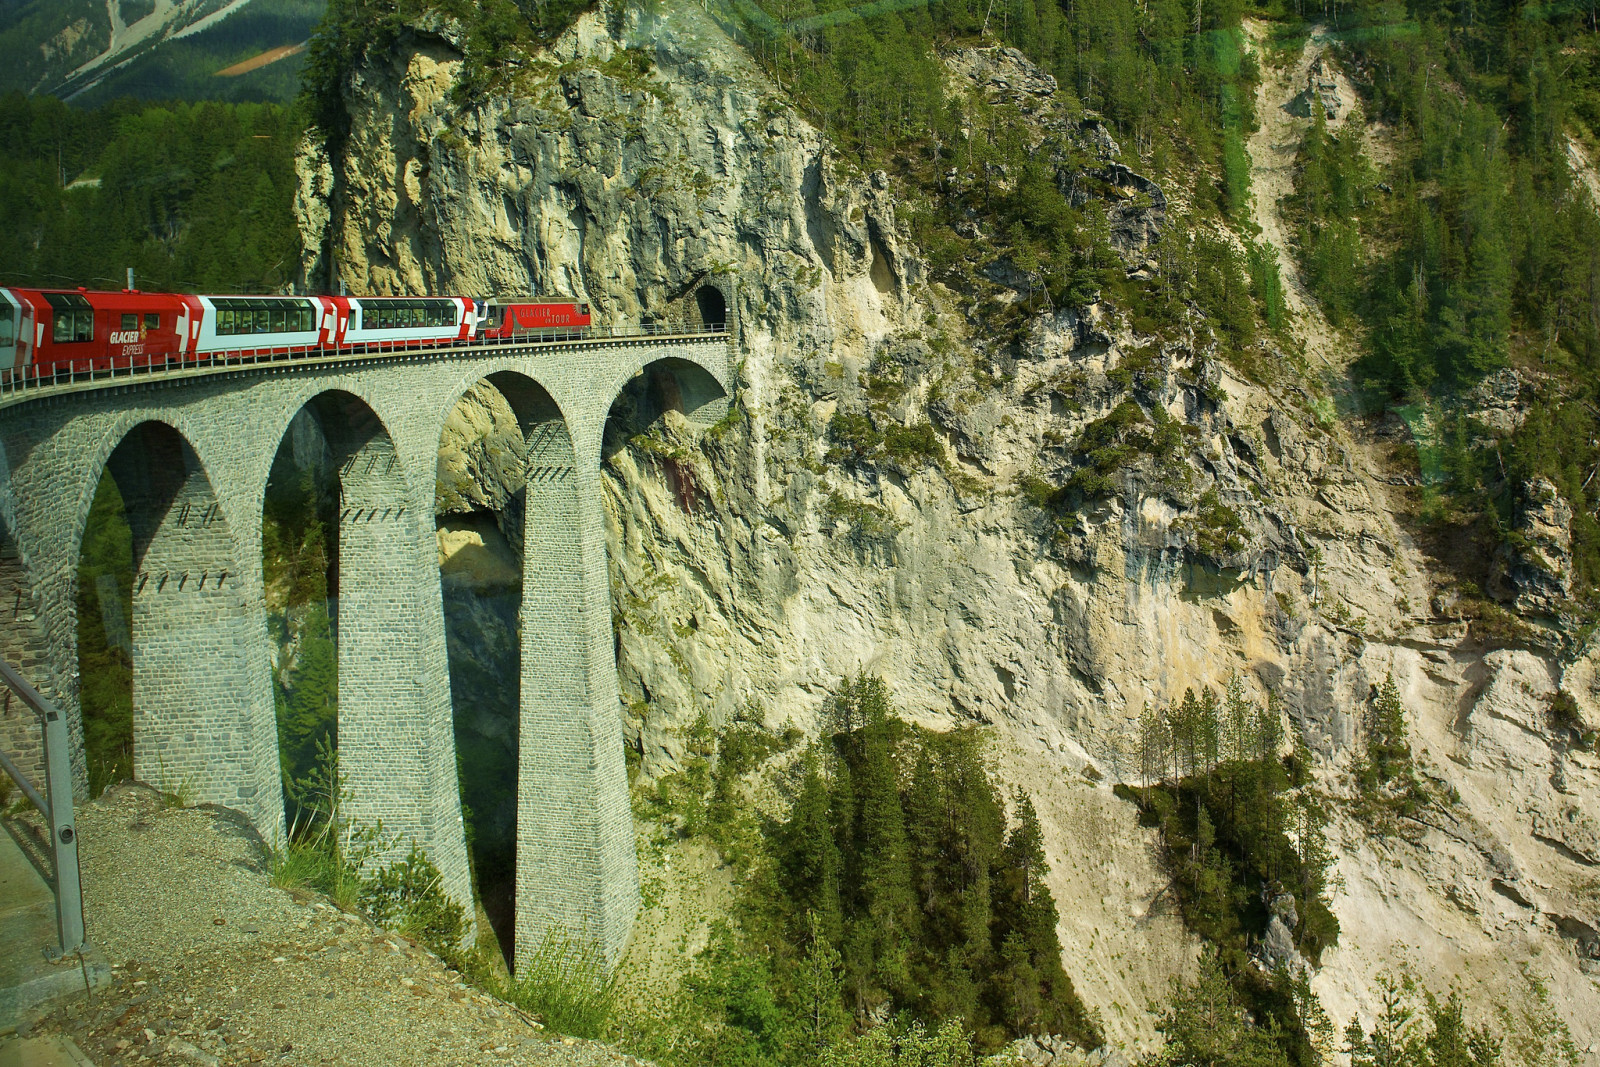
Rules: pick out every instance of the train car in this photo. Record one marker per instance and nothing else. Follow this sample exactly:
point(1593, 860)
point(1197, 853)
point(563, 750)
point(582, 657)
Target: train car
point(510, 319)
point(403, 321)
point(261, 325)
point(46, 331)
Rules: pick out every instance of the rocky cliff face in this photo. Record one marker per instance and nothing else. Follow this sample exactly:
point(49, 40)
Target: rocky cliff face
point(861, 511)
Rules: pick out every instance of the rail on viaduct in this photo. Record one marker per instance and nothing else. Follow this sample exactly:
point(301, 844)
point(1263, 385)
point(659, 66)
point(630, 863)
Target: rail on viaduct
point(191, 454)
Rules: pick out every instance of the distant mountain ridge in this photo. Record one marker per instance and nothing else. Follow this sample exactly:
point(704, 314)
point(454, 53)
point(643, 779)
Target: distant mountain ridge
point(93, 50)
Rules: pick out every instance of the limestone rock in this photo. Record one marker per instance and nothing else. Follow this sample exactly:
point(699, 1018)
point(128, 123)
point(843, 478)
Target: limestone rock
point(755, 563)
point(1500, 402)
point(1534, 569)
point(1004, 75)
point(1138, 209)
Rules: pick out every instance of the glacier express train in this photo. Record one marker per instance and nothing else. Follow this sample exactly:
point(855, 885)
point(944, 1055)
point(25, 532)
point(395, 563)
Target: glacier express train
point(44, 332)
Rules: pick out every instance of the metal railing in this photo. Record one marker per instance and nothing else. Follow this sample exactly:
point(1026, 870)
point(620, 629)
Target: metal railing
point(15, 384)
point(57, 811)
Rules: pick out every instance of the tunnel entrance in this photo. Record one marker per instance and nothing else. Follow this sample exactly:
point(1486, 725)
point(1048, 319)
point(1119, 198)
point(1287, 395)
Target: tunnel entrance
point(712, 306)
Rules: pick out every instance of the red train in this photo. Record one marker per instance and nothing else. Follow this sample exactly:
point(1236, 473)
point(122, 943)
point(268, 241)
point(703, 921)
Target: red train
point(48, 331)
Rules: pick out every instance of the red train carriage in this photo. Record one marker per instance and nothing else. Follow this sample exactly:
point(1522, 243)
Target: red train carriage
point(45, 331)
point(530, 319)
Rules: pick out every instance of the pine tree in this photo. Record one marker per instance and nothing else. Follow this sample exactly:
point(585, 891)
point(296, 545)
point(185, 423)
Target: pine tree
point(1153, 742)
point(1208, 730)
point(809, 856)
point(1388, 749)
point(886, 923)
point(819, 989)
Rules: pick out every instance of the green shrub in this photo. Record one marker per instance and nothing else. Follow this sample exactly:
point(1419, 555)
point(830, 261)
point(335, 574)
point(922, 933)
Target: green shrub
point(916, 442)
point(1218, 530)
point(853, 437)
point(566, 983)
point(408, 895)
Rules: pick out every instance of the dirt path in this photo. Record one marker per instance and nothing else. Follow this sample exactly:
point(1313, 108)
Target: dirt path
point(1272, 149)
point(1583, 167)
point(211, 965)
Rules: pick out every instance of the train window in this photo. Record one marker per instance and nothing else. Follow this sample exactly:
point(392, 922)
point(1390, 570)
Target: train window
point(152, 320)
point(130, 322)
point(74, 318)
point(73, 326)
point(240, 316)
point(8, 326)
point(408, 315)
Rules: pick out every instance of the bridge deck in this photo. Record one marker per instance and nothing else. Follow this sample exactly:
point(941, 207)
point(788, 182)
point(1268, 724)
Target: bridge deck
point(15, 391)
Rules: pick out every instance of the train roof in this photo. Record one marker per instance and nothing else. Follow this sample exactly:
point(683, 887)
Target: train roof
point(111, 299)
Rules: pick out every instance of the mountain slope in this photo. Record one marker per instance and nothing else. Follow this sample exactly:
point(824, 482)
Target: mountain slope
point(95, 50)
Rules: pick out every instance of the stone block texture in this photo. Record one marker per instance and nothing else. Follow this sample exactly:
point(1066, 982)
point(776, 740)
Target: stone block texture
point(203, 721)
point(21, 645)
point(192, 457)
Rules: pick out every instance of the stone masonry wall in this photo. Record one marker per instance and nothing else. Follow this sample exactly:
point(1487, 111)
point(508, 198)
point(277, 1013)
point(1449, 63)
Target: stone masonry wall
point(394, 695)
point(202, 717)
point(22, 646)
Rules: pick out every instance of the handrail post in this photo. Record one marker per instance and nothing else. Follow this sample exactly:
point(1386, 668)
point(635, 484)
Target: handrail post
point(63, 832)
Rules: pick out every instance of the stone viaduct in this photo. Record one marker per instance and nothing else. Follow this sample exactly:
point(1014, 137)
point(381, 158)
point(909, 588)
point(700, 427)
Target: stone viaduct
point(196, 450)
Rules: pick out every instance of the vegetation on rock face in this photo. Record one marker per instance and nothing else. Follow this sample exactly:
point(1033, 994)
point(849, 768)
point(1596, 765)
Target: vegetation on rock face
point(993, 186)
point(1243, 835)
point(495, 37)
point(894, 886)
point(1472, 249)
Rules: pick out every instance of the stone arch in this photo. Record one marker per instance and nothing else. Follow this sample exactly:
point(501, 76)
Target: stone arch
point(667, 384)
point(481, 512)
point(396, 748)
point(202, 715)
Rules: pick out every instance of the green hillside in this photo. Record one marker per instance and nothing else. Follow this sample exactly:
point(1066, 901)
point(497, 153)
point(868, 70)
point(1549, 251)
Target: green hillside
point(43, 40)
point(186, 68)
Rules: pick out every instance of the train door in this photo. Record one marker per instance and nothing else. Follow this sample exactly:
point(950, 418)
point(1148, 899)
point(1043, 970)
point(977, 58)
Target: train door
point(343, 318)
point(14, 334)
point(191, 317)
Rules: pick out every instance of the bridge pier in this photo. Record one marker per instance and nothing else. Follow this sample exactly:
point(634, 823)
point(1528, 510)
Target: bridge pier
point(396, 738)
point(577, 875)
point(203, 721)
point(23, 646)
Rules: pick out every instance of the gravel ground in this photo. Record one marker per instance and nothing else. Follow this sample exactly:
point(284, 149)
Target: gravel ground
point(213, 965)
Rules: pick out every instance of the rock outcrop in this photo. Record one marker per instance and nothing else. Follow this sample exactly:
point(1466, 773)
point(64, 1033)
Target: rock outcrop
point(1534, 569)
point(868, 505)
